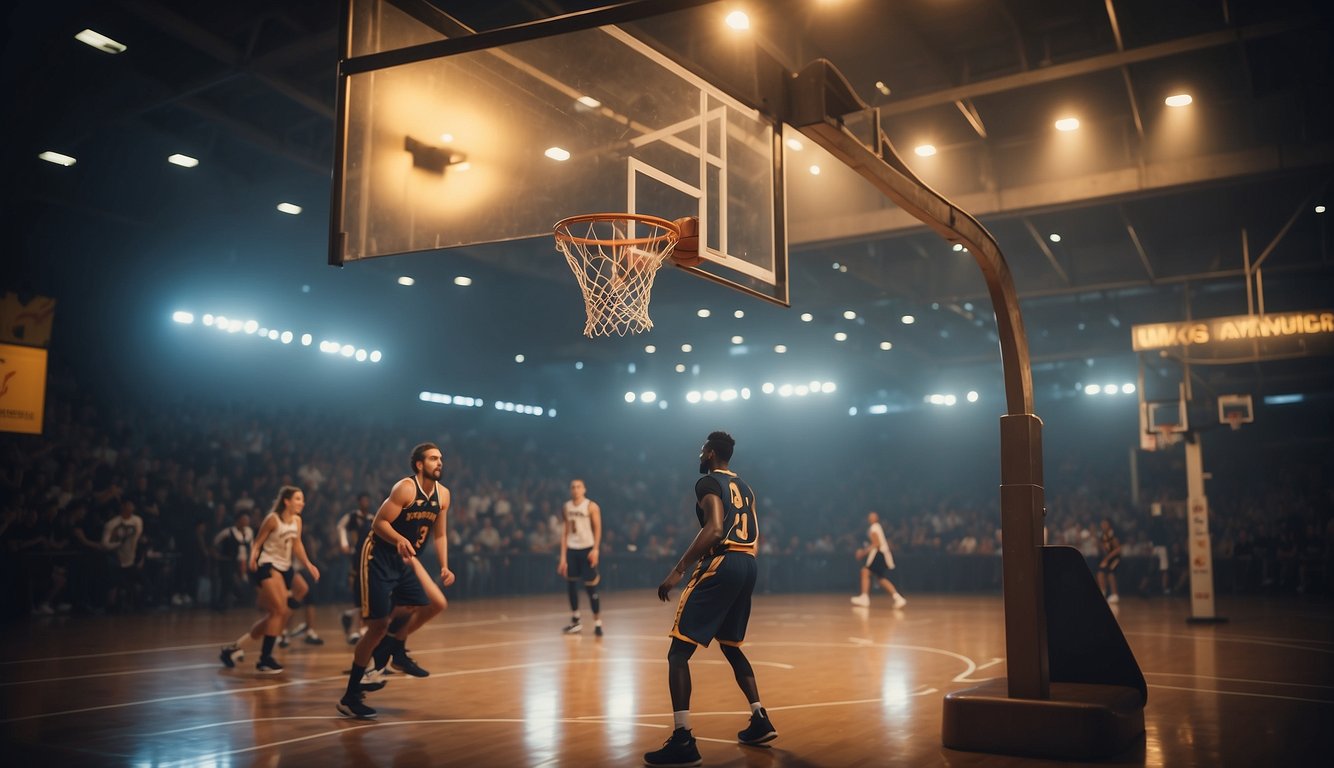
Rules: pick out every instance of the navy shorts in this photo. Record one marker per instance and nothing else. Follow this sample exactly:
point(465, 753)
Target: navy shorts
point(716, 600)
point(265, 570)
point(387, 582)
point(577, 567)
point(878, 565)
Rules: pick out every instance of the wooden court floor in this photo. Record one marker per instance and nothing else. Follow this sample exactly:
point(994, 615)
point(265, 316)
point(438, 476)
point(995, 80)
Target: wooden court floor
point(844, 686)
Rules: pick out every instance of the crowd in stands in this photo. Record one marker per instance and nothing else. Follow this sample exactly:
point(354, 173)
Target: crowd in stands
point(129, 508)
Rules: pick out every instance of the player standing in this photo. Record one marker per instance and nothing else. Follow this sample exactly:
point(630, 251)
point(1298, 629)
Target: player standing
point(1111, 557)
point(398, 596)
point(353, 528)
point(878, 560)
point(716, 600)
point(579, 554)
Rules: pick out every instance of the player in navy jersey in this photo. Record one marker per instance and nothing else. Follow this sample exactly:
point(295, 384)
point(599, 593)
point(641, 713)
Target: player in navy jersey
point(716, 600)
point(353, 528)
point(398, 596)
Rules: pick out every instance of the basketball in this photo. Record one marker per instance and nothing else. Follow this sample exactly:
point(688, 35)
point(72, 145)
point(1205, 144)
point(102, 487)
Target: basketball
point(686, 252)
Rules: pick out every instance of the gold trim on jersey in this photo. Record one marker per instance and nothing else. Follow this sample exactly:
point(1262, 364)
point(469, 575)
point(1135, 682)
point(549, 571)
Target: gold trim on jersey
point(367, 554)
point(701, 573)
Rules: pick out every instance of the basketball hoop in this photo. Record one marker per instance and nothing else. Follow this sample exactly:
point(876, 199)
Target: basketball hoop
point(1234, 420)
point(615, 266)
point(1167, 435)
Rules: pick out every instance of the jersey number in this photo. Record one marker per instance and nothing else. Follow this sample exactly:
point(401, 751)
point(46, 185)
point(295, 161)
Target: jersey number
point(421, 537)
point(743, 519)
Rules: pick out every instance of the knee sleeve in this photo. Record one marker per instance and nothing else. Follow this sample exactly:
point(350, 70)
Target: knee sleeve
point(293, 603)
point(740, 664)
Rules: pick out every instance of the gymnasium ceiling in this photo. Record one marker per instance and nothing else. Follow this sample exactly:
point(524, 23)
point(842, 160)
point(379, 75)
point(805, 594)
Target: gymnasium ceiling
point(1154, 206)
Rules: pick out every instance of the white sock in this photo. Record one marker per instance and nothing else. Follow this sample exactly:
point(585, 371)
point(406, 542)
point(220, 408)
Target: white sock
point(755, 706)
point(575, 616)
point(681, 718)
point(597, 622)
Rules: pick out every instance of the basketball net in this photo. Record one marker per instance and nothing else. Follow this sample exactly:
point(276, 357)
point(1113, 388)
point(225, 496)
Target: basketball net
point(615, 257)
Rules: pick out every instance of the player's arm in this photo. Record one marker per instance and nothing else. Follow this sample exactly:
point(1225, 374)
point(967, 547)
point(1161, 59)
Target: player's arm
point(709, 536)
point(299, 549)
point(442, 540)
point(561, 568)
point(400, 497)
point(343, 545)
point(265, 528)
point(595, 519)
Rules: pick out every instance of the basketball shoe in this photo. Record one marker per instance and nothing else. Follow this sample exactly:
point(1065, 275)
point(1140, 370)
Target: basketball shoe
point(760, 729)
point(678, 750)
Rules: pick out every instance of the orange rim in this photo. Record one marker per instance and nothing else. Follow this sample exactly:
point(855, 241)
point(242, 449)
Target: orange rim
point(669, 230)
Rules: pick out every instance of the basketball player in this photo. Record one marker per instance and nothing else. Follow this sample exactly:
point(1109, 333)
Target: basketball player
point(302, 597)
point(353, 528)
point(579, 554)
point(716, 600)
point(1111, 557)
point(279, 538)
point(878, 560)
point(398, 596)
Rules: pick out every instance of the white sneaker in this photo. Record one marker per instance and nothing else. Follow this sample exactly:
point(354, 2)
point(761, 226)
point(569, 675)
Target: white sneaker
point(1114, 599)
point(862, 600)
point(899, 600)
point(354, 638)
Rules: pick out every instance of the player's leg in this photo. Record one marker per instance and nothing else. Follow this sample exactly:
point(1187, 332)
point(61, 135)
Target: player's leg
point(888, 586)
point(576, 563)
point(1102, 581)
point(235, 650)
point(304, 595)
point(418, 590)
point(864, 597)
point(353, 626)
point(594, 599)
point(376, 596)
point(742, 571)
point(1114, 597)
point(680, 748)
point(273, 598)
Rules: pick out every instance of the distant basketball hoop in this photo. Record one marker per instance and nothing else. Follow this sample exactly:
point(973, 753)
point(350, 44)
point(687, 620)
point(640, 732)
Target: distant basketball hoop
point(615, 265)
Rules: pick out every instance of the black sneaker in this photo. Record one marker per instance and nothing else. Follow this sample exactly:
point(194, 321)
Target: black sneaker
point(267, 665)
point(574, 628)
point(230, 655)
point(678, 750)
point(351, 706)
point(760, 729)
point(404, 663)
point(314, 639)
point(597, 630)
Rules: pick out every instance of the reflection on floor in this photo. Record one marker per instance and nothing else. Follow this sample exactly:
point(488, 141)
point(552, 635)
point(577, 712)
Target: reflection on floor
point(844, 686)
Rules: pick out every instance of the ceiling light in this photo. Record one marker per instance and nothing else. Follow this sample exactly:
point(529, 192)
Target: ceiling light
point(463, 280)
point(518, 358)
point(405, 280)
point(306, 339)
point(739, 314)
point(1055, 238)
point(286, 338)
point(1067, 124)
point(361, 355)
point(183, 317)
point(57, 158)
point(184, 161)
point(767, 388)
point(680, 367)
point(849, 315)
point(1128, 388)
point(650, 349)
point(815, 170)
point(795, 145)
point(908, 319)
point(972, 396)
point(1320, 209)
point(648, 397)
point(880, 86)
point(686, 347)
point(840, 336)
point(1092, 389)
point(737, 340)
point(375, 356)
point(557, 153)
point(780, 349)
point(958, 247)
point(806, 317)
point(925, 150)
point(703, 313)
point(579, 365)
point(1178, 100)
point(692, 396)
point(737, 20)
point(885, 345)
point(100, 41)
point(630, 397)
point(289, 208)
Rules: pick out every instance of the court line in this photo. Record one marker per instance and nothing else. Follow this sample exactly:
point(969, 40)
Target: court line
point(361, 726)
point(246, 721)
point(921, 691)
point(1241, 693)
point(142, 671)
point(1251, 640)
point(1240, 680)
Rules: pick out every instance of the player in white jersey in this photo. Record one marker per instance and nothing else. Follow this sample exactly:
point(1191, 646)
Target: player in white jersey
point(579, 545)
point(278, 540)
point(878, 560)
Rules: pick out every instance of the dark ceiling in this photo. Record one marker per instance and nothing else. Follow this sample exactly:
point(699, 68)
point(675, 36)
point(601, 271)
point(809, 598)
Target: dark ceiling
point(1156, 208)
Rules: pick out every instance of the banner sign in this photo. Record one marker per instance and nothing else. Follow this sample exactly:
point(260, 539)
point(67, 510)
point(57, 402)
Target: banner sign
point(26, 322)
point(22, 388)
point(1281, 334)
point(1201, 559)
